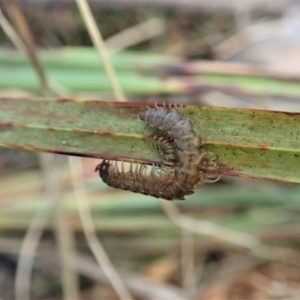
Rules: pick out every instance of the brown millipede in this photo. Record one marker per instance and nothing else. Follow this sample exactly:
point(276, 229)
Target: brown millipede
point(184, 167)
point(155, 184)
point(166, 146)
point(159, 182)
point(192, 161)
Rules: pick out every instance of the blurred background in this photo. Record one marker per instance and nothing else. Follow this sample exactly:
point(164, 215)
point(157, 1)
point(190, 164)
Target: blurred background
point(65, 235)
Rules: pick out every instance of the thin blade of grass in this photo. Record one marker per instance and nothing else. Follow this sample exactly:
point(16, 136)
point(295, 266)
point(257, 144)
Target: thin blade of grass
point(87, 58)
point(144, 74)
point(250, 143)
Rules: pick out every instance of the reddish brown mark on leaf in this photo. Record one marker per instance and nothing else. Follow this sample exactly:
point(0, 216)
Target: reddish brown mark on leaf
point(291, 114)
point(263, 147)
point(91, 155)
point(7, 125)
point(31, 148)
point(50, 128)
point(226, 170)
point(62, 100)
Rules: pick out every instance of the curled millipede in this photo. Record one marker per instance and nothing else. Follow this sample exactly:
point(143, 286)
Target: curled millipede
point(192, 162)
point(155, 184)
point(185, 165)
point(155, 180)
point(165, 145)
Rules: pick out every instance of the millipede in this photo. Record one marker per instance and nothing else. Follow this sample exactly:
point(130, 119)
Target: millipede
point(165, 145)
point(185, 165)
point(156, 184)
point(192, 162)
point(159, 182)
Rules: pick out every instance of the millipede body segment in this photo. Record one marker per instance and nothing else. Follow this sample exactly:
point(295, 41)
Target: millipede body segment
point(154, 184)
point(183, 168)
point(192, 161)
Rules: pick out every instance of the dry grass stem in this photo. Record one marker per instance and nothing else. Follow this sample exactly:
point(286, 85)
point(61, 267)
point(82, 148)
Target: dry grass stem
point(136, 34)
point(90, 232)
point(32, 238)
point(63, 232)
point(98, 42)
point(65, 242)
point(28, 250)
point(187, 258)
point(36, 65)
point(142, 287)
point(23, 29)
point(210, 229)
point(11, 33)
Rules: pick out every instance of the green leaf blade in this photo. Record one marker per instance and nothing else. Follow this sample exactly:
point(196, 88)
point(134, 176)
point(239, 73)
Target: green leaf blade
point(250, 143)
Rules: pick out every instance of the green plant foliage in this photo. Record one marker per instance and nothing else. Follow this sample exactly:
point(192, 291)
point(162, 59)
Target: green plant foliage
point(250, 143)
point(81, 70)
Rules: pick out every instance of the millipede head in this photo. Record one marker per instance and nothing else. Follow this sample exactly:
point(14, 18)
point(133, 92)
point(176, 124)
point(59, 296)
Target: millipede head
point(103, 166)
point(188, 142)
point(171, 119)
